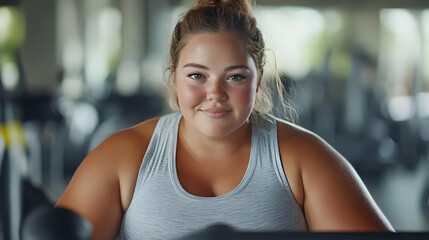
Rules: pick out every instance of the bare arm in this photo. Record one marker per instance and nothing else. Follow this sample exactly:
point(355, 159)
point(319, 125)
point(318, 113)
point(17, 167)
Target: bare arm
point(94, 193)
point(102, 187)
point(333, 196)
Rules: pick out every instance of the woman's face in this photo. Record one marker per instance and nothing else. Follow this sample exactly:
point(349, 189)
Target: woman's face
point(216, 81)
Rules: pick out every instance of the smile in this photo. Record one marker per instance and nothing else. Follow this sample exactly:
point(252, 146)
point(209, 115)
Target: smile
point(216, 112)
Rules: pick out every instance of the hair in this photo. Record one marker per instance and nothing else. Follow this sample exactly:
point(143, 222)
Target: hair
point(235, 16)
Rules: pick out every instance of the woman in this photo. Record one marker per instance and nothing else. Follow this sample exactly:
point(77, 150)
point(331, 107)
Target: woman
point(220, 158)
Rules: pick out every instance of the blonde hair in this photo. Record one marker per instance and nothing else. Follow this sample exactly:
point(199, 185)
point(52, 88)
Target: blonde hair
point(233, 16)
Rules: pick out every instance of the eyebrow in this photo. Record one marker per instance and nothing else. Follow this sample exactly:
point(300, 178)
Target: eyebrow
point(195, 65)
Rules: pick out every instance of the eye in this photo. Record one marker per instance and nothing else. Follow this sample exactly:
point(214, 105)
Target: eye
point(196, 76)
point(236, 77)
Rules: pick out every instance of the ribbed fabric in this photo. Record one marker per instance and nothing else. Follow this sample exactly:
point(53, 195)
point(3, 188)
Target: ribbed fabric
point(162, 209)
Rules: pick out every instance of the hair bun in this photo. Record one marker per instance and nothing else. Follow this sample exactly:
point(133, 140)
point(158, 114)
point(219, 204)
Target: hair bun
point(244, 6)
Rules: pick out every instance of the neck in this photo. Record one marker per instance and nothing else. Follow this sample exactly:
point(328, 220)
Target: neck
point(204, 148)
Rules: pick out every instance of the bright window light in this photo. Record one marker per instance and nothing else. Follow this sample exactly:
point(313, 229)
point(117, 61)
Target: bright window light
point(293, 34)
point(9, 76)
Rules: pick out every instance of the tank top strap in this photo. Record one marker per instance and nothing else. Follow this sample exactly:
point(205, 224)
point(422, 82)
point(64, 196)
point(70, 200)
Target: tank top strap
point(268, 145)
point(159, 147)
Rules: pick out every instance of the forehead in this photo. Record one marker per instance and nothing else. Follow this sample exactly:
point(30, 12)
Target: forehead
point(215, 47)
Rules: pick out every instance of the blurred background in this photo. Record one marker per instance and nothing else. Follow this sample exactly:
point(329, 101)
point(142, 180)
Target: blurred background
point(72, 72)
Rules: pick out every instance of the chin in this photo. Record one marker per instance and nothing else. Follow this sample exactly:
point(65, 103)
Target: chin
point(215, 132)
point(219, 130)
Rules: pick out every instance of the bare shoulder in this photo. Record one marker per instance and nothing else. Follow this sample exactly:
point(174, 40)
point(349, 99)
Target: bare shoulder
point(308, 150)
point(139, 133)
point(134, 138)
point(334, 198)
point(306, 147)
point(124, 147)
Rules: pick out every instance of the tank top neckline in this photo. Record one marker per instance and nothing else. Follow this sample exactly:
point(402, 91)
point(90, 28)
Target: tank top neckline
point(175, 178)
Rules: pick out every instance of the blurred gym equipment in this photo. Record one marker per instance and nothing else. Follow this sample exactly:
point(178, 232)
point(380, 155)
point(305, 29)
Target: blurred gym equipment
point(345, 112)
point(21, 188)
point(48, 223)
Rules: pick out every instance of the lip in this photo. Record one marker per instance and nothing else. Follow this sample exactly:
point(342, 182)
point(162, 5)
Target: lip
point(216, 112)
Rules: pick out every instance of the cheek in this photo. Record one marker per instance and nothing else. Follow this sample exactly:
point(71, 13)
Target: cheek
point(244, 96)
point(188, 95)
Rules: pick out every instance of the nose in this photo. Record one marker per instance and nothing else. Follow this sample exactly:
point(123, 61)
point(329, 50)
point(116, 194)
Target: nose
point(216, 91)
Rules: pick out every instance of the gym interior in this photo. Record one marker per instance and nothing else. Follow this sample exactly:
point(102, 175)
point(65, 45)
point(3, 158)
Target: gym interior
point(73, 72)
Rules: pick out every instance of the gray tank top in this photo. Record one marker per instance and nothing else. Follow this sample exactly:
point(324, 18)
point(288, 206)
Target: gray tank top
point(161, 209)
